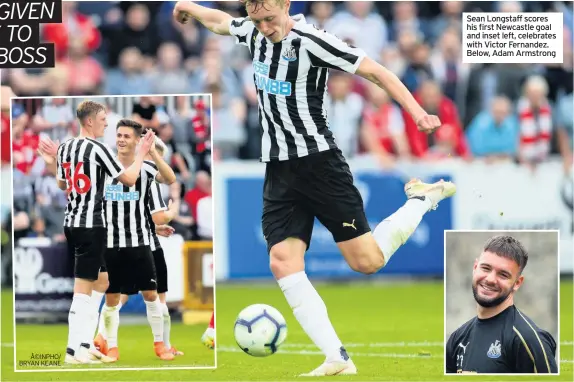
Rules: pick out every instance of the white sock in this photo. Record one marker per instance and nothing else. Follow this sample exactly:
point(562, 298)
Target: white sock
point(311, 312)
point(104, 314)
point(111, 319)
point(95, 302)
point(78, 317)
point(166, 325)
point(155, 319)
point(395, 230)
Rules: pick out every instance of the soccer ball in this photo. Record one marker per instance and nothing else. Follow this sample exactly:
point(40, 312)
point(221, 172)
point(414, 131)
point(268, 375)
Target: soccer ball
point(259, 330)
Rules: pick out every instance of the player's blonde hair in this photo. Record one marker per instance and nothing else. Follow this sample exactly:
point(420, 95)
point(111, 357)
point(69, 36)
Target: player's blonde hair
point(88, 108)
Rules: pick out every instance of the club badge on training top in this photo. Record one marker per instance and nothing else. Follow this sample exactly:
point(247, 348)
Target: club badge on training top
point(495, 350)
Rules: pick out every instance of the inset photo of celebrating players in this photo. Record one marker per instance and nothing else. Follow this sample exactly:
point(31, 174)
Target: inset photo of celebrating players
point(113, 239)
point(501, 302)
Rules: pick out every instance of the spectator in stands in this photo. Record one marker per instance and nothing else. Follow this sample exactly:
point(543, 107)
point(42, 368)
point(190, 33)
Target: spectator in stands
point(28, 82)
point(74, 25)
point(344, 109)
point(214, 70)
point(85, 73)
point(23, 204)
point(24, 142)
point(228, 117)
point(136, 32)
point(55, 119)
point(560, 75)
point(190, 38)
point(128, 78)
point(145, 112)
point(201, 189)
point(450, 17)
point(565, 130)
point(169, 77)
point(405, 17)
point(180, 166)
point(351, 23)
point(383, 130)
point(448, 69)
point(183, 222)
point(449, 139)
point(493, 134)
point(417, 69)
point(321, 13)
point(205, 218)
point(535, 118)
point(38, 228)
point(202, 136)
point(183, 132)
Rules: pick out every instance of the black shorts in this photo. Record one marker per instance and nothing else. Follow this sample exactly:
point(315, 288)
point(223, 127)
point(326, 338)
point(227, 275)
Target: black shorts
point(161, 273)
point(88, 246)
point(130, 268)
point(318, 185)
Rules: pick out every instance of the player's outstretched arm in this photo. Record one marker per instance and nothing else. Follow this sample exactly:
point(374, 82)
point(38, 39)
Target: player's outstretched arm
point(213, 19)
point(131, 174)
point(384, 78)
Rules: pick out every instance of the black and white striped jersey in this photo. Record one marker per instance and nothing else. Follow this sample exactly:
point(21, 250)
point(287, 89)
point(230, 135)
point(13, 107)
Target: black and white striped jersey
point(291, 81)
point(126, 209)
point(155, 204)
point(84, 163)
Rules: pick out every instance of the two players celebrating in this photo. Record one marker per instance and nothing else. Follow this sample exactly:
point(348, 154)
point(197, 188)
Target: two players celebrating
point(115, 212)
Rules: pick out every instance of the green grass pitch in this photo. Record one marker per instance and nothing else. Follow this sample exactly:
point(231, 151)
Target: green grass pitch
point(385, 328)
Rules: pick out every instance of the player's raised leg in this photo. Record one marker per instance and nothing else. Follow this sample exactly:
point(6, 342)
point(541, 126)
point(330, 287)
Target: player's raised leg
point(371, 251)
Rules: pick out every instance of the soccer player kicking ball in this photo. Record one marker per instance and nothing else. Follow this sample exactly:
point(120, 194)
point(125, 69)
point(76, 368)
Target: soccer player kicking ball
point(109, 316)
point(129, 260)
point(82, 164)
point(306, 175)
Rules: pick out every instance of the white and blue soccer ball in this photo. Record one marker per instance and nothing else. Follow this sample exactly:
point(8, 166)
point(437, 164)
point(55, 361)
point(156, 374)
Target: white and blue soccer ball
point(260, 330)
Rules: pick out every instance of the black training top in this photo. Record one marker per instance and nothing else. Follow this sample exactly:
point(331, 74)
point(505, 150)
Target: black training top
point(506, 343)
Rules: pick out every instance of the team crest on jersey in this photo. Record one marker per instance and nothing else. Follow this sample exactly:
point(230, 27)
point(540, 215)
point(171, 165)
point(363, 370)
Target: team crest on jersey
point(289, 54)
point(495, 350)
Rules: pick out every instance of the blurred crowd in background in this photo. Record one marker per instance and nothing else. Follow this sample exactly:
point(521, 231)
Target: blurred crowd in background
point(181, 122)
point(496, 112)
point(519, 112)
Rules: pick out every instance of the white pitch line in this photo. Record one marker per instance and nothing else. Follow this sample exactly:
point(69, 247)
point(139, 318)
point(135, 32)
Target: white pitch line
point(230, 349)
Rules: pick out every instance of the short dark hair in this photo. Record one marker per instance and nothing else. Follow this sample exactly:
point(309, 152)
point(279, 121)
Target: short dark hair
point(87, 108)
point(136, 126)
point(508, 247)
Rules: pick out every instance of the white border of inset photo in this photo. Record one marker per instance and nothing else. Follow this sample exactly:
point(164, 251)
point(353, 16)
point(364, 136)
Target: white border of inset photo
point(109, 367)
point(492, 233)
